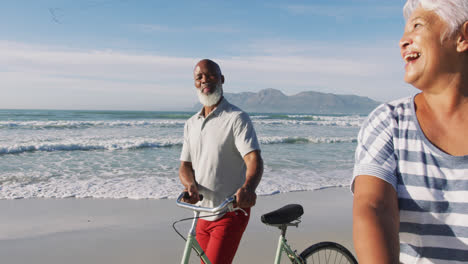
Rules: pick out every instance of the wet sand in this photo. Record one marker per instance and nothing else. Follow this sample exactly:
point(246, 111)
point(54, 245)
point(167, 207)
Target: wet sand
point(118, 231)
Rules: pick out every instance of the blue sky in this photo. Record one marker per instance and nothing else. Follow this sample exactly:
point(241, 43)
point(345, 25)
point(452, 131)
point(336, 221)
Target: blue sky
point(139, 55)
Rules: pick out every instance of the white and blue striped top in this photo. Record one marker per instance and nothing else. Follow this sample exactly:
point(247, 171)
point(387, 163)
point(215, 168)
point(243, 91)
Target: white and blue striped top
point(432, 186)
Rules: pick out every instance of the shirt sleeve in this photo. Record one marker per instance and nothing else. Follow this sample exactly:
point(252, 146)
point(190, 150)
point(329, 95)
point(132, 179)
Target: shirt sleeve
point(375, 155)
point(185, 154)
point(245, 137)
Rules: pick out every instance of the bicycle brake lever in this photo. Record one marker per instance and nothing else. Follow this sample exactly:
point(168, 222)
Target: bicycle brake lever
point(231, 208)
point(240, 209)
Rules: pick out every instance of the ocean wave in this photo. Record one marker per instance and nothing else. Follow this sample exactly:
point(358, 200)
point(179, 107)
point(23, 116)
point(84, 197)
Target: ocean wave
point(296, 119)
point(70, 145)
point(40, 125)
point(314, 140)
point(141, 143)
point(162, 187)
point(145, 187)
point(340, 123)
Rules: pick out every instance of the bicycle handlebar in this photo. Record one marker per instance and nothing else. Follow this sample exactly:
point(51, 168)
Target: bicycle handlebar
point(215, 210)
point(187, 196)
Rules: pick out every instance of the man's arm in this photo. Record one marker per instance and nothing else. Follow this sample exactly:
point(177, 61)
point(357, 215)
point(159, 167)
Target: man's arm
point(375, 221)
point(187, 178)
point(246, 196)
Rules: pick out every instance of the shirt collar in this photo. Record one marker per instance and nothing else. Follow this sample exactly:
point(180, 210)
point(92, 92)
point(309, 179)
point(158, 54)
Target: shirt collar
point(221, 106)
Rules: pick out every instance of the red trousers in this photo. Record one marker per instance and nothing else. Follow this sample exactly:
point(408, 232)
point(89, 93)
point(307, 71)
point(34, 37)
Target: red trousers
point(220, 239)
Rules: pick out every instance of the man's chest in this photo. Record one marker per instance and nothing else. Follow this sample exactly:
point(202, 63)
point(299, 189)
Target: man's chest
point(211, 136)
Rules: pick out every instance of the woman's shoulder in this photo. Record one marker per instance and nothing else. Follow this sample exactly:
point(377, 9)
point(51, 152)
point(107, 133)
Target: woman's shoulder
point(396, 109)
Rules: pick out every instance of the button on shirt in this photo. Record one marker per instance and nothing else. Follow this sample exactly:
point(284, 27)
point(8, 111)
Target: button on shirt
point(216, 145)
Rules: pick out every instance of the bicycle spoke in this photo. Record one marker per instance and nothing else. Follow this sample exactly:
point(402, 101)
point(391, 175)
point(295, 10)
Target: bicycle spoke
point(327, 252)
point(341, 258)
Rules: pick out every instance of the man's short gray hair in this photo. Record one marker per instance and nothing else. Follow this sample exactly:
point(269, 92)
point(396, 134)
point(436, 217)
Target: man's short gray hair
point(453, 12)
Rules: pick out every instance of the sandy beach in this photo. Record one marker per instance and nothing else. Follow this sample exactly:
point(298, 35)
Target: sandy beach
point(140, 231)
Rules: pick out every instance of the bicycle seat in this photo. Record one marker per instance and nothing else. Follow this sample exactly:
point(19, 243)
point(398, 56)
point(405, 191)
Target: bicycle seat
point(284, 215)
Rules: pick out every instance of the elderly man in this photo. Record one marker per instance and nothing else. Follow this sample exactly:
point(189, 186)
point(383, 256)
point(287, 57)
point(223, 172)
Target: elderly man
point(411, 174)
point(220, 157)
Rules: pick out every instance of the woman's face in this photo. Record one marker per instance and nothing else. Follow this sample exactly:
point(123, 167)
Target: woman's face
point(428, 59)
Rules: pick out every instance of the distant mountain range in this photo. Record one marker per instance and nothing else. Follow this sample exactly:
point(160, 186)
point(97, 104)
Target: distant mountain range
point(275, 101)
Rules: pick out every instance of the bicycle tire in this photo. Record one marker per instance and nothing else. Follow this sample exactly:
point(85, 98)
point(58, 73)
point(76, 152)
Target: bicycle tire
point(327, 252)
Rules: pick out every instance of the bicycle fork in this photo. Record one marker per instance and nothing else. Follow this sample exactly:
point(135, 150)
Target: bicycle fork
point(193, 243)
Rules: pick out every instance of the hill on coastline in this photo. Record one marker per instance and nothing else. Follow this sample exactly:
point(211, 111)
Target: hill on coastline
point(275, 101)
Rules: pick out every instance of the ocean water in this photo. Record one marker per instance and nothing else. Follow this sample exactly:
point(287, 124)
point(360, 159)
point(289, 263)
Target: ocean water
point(132, 154)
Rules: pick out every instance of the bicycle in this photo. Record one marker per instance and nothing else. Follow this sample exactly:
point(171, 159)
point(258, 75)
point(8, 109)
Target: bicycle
point(289, 215)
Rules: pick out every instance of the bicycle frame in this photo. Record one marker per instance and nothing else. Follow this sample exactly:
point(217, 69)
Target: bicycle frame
point(191, 238)
point(193, 243)
point(283, 245)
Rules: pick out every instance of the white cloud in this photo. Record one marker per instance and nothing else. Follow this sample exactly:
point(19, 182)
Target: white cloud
point(94, 64)
point(301, 65)
point(346, 11)
point(101, 76)
point(150, 28)
point(374, 69)
point(34, 76)
point(155, 28)
point(217, 29)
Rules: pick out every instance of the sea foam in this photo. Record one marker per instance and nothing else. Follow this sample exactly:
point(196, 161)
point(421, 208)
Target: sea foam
point(155, 187)
point(85, 144)
point(90, 144)
point(39, 125)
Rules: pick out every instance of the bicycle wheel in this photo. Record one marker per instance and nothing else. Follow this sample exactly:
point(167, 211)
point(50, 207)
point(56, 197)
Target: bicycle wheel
point(327, 252)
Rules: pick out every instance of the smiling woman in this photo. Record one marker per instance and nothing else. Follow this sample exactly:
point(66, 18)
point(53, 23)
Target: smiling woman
point(411, 172)
point(424, 48)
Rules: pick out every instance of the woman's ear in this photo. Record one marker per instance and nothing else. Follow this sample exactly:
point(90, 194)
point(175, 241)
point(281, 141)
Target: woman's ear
point(462, 40)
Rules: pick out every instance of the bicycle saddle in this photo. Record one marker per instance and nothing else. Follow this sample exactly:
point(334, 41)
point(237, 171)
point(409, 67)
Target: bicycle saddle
point(284, 215)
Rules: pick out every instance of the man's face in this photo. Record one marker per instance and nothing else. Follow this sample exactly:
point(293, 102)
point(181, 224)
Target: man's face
point(207, 77)
point(426, 56)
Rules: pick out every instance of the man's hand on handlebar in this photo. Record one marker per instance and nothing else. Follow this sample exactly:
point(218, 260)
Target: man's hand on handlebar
point(193, 195)
point(245, 198)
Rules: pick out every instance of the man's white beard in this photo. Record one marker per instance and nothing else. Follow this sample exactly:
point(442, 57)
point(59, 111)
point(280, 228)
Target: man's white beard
point(210, 99)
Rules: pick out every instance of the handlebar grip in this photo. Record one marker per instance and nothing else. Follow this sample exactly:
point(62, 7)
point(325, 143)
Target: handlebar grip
point(187, 196)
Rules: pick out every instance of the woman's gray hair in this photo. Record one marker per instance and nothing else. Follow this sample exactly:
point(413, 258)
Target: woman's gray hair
point(453, 12)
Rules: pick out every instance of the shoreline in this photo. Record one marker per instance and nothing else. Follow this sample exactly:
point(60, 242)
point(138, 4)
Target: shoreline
point(75, 230)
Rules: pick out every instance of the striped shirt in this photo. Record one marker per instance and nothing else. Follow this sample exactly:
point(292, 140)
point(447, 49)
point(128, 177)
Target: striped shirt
point(432, 186)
